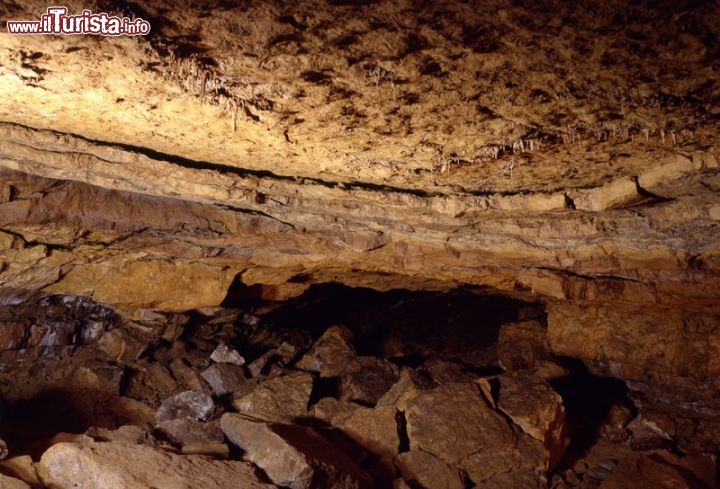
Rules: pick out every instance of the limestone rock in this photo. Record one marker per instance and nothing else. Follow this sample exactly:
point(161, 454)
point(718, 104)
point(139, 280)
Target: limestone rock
point(186, 405)
point(122, 346)
point(224, 377)
point(332, 354)
point(522, 345)
point(21, 467)
point(281, 398)
point(455, 423)
point(193, 436)
point(293, 456)
point(409, 385)
point(225, 354)
point(186, 376)
point(614, 427)
point(7, 482)
point(282, 355)
point(662, 469)
point(426, 470)
point(534, 406)
point(332, 411)
point(370, 382)
point(89, 465)
point(375, 429)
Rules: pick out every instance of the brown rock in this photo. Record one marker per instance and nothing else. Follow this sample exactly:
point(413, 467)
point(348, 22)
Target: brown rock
point(662, 469)
point(332, 411)
point(293, 456)
point(122, 346)
point(125, 434)
point(647, 435)
point(224, 377)
point(370, 382)
point(195, 437)
point(21, 467)
point(426, 470)
point(282, 355)
point(522, 345)
point(7, 482)
point(375, 429)
point(409, 385)
point(332, 354)
point(186, 376)
point(614, 427)
point(455, 423)
point(90, 465)
point(282, 398)
point(539, 411)
point(152, 383)
point(444, 372)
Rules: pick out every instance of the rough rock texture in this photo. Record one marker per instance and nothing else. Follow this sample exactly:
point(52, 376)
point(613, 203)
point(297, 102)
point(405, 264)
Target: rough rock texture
point(564, 153)
point(292, 456)
point(90, 465)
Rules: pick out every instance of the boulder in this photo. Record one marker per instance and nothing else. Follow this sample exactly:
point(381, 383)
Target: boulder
point(522, 345)
point(224, 377)
point(332, 354)
point(370, 382)
point(293, 456)
point(282, 398)
point(423, 469)
point(455, 423)
point(91, 465)
point(538, 410)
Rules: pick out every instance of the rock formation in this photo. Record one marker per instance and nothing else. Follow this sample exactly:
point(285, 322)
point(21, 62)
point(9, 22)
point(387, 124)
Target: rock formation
point(516, 204)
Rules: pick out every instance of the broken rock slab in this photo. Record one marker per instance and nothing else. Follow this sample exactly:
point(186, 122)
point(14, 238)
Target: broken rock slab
point(91, 465)
point(281, 398)
point(186, 405)
point(7, 482)
point(293, 456)
point(224, 377)
point(370, 382)
point(522, 345)
point(198, 437)
point(456, 423)
point(423, 469)
point(538, 410)
point(332, 354)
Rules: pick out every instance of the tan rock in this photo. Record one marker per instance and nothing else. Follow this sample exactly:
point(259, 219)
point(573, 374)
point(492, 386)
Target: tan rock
point(293, 456)
point(21, 467)
point(170, 286)
point(7, 482)
point(89, 465)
